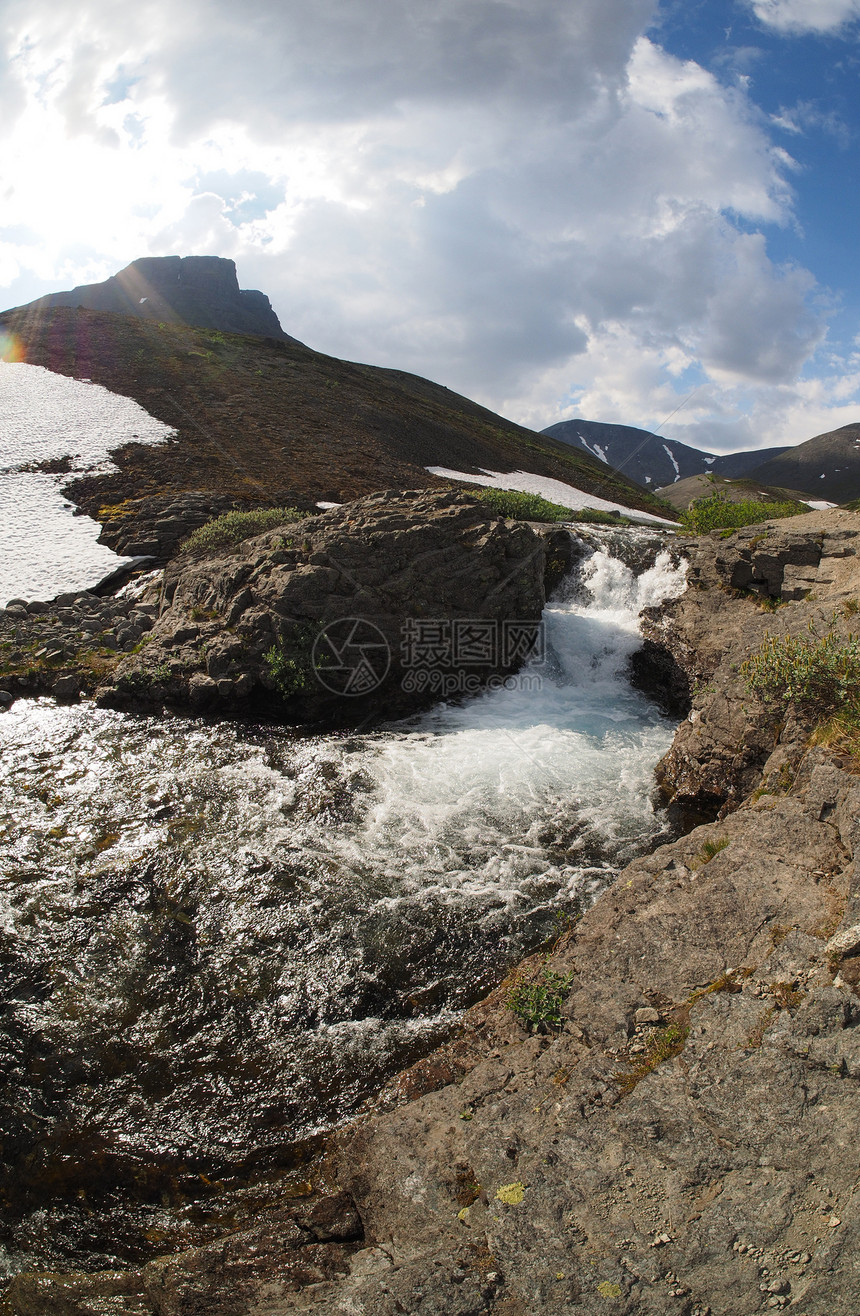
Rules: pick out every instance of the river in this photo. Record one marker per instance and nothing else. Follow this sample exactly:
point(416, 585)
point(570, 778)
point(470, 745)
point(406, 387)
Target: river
point(219, 938)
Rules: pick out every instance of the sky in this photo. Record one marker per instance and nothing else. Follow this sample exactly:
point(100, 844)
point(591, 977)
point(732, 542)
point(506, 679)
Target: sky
point(625, 210)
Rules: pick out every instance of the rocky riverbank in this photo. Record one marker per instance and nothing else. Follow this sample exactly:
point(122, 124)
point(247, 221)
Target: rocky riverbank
point(231, 631)
point(686, 1141)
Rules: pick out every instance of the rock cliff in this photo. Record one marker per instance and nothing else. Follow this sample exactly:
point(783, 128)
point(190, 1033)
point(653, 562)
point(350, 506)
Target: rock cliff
point(199, 290)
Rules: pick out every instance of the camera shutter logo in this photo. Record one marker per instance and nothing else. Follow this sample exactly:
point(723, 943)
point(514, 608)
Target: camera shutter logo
point(351, 656)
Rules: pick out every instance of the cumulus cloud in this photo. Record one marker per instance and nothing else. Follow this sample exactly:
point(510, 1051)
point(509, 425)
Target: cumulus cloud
point(532, 203)
point(798, 16)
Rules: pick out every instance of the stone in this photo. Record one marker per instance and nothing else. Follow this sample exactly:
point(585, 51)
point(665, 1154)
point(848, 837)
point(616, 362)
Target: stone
point(201, 689)
point(66, 687)
point(647, 1015)
point(846, 942)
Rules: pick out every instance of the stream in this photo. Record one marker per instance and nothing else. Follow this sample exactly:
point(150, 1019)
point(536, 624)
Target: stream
point(218, 939)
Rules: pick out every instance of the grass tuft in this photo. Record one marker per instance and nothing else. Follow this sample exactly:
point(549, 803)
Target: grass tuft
point(662, 1045)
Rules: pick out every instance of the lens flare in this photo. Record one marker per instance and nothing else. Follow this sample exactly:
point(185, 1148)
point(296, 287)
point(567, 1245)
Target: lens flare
point(11, 347)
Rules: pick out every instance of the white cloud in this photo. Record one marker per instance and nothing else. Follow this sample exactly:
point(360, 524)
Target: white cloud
point(513, 197)
point(797, 16)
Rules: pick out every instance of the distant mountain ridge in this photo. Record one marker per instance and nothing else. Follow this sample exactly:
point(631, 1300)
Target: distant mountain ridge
point(653, 461)
point(197, 290)
point(826, 466)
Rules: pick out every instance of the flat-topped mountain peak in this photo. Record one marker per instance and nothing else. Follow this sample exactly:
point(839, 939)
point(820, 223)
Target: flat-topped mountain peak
point(196, 290)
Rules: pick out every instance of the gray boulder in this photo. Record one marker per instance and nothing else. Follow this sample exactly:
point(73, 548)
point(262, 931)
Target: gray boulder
point(381, 604)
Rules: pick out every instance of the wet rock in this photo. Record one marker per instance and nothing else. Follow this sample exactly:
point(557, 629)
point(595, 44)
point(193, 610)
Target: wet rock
point(325, 618)
point(66, 687)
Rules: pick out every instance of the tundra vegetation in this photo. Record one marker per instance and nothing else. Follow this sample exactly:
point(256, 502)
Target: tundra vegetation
point(233, 527)
point(716, 512)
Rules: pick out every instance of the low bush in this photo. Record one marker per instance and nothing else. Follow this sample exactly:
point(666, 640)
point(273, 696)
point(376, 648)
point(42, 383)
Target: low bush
point(518, 506)
point(716, 512)
point(290, 663)
point(817, 676)
point(523, 506)
point(233, 527)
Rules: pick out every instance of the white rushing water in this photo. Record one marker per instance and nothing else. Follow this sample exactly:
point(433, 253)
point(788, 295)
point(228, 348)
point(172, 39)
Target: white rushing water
point(44, 549)
point(242, 932)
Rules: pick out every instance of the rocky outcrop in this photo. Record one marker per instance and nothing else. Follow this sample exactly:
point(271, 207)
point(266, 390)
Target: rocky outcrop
point(778, 578)
point(198, 290)
point(321, 618)
point(67, 647)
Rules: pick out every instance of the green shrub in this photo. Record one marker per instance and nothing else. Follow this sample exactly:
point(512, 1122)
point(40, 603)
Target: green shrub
point(290, 662)
point(233, 527)
point(518, 506)
point(538, 1004)
point(818, 676)
point(523, 506)
point(715, 512)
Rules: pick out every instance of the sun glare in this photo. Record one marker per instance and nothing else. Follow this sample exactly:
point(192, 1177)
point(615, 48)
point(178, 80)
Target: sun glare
point(11, 347)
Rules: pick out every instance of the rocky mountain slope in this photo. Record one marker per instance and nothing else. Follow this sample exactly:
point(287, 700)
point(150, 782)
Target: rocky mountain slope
point(198, 290)
point(685, 1141)
point(260, 421)
point(826, 466)
point(650, 459)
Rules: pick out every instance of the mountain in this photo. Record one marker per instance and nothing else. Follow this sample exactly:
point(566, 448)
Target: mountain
point(650, 459)
point(265, 421)
point(199, 290)
point(826, 466)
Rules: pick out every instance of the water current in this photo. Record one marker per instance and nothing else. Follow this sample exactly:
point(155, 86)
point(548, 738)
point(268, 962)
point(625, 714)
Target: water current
point(44, 417)
point(219, 938)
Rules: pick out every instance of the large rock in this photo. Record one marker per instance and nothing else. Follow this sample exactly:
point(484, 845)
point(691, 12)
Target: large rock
point(378, 605)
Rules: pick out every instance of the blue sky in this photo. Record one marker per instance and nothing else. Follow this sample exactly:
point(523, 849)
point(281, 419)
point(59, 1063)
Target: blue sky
point(807, 87)
point(611, 208)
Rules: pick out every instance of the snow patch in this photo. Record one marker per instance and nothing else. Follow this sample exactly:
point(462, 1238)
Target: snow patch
point(553, 490)
point(818, 505)
point(596, 451)
point(671, 456)
point(709, 461)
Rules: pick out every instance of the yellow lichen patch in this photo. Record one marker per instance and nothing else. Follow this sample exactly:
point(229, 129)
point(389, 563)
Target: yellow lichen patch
point(511, 1193)
point(608, 1290)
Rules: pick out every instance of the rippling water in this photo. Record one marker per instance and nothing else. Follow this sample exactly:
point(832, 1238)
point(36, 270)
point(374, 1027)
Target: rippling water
point(219, 938)
point(44, 549)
